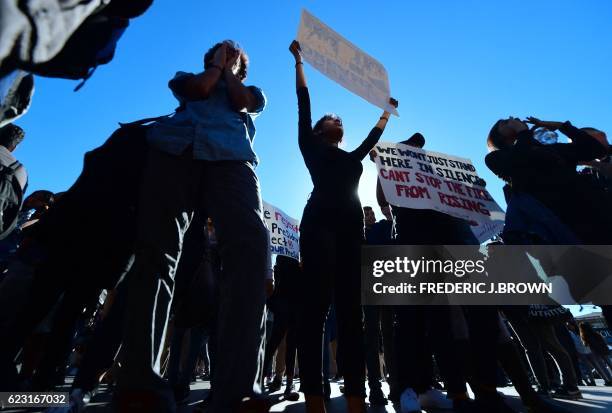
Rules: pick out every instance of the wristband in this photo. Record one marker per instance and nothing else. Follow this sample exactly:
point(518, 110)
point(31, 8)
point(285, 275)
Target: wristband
point(299, 63)
point(384, 117)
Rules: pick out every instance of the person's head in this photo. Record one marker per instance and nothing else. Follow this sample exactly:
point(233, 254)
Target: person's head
point(417, 141)
point(39, 200)
point(386, 210)
point(599, 136)
point(11, 136)
point(504, 132)
point(242, 64)
point(369, 217)
point(329, 129)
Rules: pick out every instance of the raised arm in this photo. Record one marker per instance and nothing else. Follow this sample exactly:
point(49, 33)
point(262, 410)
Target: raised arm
point(300, 78)
point(583, 147)
point(198, 87)
point(305, 138)
point(375, 134)
point(241, 97)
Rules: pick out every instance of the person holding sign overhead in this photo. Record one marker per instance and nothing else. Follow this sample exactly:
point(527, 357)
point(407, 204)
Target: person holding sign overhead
point(331, 237)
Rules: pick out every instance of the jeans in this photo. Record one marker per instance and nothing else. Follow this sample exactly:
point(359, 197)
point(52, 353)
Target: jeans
point(227, 191)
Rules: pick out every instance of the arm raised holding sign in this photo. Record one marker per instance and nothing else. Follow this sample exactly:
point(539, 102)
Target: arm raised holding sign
point(331, 234)
point(327, 130)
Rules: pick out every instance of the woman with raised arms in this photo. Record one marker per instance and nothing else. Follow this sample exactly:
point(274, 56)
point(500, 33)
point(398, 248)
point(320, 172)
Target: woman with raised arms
point(331, 234)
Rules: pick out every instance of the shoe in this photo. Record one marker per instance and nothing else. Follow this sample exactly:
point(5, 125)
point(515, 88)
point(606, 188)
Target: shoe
point(290, 394)
point(275, 384)
point(143, 401)
point(542, 405)
point(327, 391)
point(544, 393)
point(409, 402)
point(377, 397)
point(255, 405)
point(464, 406)
point(567, 394)
point(608, 383)
point(435, 399)
point(492, 403)
point(181, 393)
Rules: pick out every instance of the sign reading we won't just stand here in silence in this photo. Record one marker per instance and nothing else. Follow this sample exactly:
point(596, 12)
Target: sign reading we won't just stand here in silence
point(343, 62)
point(420, 179)
point(284, 232)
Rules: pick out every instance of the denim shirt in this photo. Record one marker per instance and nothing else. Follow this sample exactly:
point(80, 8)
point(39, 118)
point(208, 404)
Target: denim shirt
point(216, 131)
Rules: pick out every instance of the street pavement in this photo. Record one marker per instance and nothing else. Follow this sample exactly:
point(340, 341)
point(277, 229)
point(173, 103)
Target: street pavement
point(596, 400)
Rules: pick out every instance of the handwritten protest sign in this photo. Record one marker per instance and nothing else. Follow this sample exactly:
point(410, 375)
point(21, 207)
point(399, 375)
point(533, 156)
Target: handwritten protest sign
point(284, 232)
point(343, 62)
point(420, 179)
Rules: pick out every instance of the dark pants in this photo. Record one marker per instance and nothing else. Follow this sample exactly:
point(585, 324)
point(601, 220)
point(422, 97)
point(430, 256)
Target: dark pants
point(59, 343)
point(483, 328)
point(284, 325)
point(537, 337)
point(372, 345)
point(227, 191)
point(421, 332)
point(103, 346)
point(331, 270)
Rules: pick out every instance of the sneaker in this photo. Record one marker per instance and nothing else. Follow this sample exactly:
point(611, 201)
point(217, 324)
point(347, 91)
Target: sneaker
point(409, 402)
point(435, 399)
point(567, 394)
point(377, 397)
point(275, 384)
point(290, 394)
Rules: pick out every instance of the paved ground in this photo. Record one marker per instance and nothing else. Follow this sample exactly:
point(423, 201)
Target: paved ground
point(596, 400)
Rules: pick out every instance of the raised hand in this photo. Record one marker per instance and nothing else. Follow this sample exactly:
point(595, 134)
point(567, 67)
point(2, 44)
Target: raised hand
point(233, 55)
point(295, 50)
point(537, 123)
point(373, 155)
point(220, 56)
point(393, 102)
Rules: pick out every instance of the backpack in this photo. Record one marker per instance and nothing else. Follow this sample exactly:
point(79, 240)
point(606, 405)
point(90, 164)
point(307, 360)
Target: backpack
point(11, 197)
point(92, 44)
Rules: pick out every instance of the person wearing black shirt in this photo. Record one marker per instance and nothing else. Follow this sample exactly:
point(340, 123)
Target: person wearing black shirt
point(548, 173)
point(330, 241)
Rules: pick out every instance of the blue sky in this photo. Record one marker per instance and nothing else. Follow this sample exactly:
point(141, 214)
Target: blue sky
point(456, 67)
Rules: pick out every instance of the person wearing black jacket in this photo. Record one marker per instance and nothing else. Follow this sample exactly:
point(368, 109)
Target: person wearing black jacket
point(548, 173)
point(330, 241)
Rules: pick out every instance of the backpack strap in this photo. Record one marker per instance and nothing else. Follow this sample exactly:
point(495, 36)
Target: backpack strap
point(14, 166)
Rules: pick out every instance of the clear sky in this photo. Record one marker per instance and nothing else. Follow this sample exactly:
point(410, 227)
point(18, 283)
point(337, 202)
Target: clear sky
point(455, 67)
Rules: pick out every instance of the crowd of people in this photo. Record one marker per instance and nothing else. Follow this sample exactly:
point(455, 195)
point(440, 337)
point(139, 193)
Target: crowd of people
point(189, 290)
